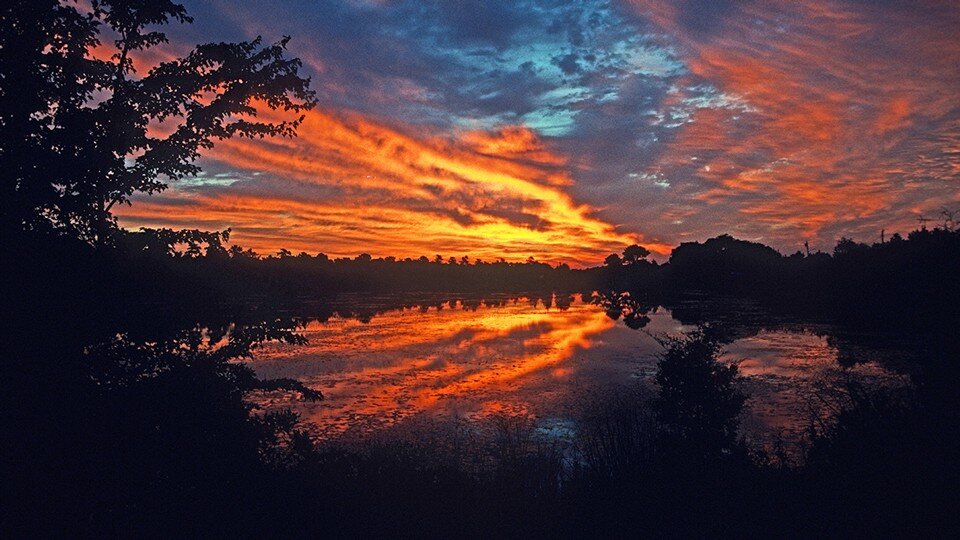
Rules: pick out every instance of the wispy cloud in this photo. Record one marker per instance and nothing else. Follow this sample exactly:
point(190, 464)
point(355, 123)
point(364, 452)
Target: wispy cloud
point(853, 113)
point(348, 185)
point(566, 130)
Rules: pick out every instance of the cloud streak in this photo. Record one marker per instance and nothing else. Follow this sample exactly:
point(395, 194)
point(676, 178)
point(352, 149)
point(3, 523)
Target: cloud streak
point(566, 130)
point(852, 115)
point(353, 186)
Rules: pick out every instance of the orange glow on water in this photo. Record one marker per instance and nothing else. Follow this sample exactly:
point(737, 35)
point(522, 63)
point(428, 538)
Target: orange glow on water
point(408, 362)
point(520, 357)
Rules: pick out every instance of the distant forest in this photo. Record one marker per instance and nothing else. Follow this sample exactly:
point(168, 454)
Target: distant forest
point(905, 280)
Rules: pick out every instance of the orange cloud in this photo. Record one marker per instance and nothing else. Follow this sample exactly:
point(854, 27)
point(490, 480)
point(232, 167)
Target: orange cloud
point(513, 142)
point(793, 121)
point(359, 186)
point(829, 144)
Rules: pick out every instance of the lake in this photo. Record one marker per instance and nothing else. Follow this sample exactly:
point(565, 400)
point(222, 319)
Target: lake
point(548, 360)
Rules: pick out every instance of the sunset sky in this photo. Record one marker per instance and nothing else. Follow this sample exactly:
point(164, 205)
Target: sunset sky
point(565, 130)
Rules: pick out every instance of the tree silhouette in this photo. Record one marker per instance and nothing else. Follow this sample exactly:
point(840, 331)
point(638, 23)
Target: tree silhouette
point(612, 260)
point(633, 254)
point(78, 131)
point(699, 403)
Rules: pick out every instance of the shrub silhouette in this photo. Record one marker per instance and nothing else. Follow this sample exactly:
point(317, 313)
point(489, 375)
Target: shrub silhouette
point(699, 404)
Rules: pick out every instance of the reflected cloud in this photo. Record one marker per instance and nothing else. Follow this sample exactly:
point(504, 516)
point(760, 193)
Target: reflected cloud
point(471, 359)
point(408, 362)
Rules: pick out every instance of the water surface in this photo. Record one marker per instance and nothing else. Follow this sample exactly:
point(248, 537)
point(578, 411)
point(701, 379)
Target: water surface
point(546, 359)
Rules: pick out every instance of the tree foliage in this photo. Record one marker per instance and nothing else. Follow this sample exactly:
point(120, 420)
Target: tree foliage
point(635, 253)
point(81, 131)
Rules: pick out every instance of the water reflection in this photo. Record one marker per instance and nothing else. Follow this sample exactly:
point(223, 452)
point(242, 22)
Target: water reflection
point(540, 357)
point(791, 375)
point(462, 357)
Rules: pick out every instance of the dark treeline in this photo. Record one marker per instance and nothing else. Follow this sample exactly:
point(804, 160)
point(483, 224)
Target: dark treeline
point(193, 271)
point(194, 255)
point(904, 282)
